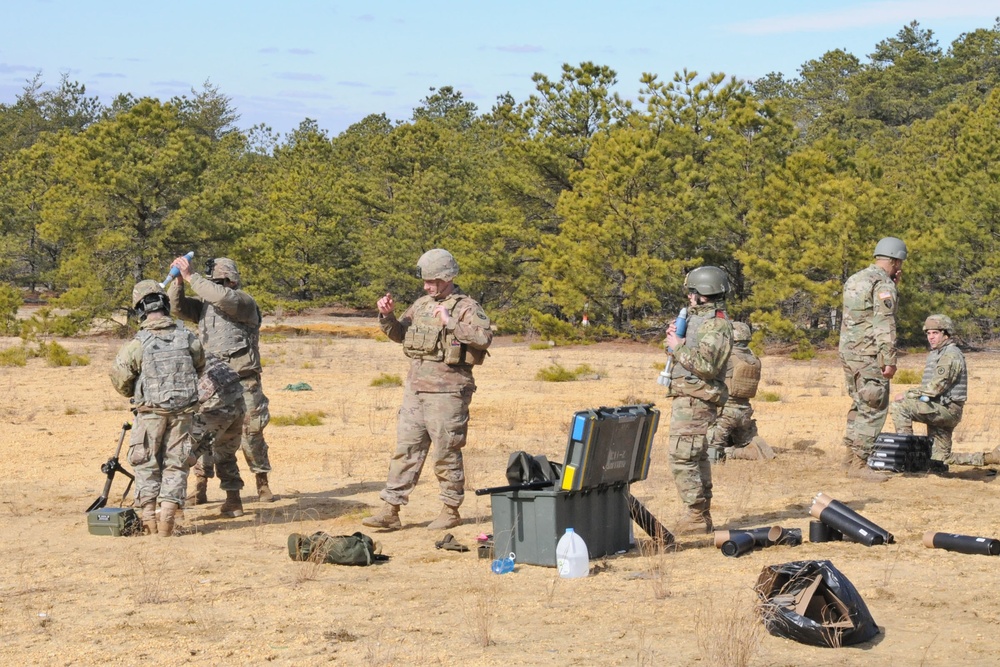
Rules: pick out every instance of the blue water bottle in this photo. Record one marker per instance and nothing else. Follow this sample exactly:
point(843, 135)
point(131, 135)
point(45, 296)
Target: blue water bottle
point(503, 565)
point(174, 271)
point(681, 327)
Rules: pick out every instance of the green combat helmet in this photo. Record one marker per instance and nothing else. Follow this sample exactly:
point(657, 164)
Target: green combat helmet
point(890, 247)
point(223, 268)
point(437, 264)
point(940, 323)
point(148, 296)
point(741, 332)
point(707, 281)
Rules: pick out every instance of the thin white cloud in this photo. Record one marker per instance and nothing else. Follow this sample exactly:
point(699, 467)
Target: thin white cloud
point(870, 14)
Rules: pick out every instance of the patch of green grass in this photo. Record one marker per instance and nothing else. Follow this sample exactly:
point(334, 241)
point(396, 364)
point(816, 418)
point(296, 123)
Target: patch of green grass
point(301, 419)
point(14, 356)
point(273, 338)
point(387, 380)
point(546, 345)
point(907, 376)
point(768, 396)
point(57, 355)
point(557, 373)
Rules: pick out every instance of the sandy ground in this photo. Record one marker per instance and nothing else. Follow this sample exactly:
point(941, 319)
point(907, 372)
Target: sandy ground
point(227, 593)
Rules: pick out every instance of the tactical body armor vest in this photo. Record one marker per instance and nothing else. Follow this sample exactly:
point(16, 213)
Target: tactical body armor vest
point(168, 380)
point(746, 373)
point(236, 343)
point(427, 339)
point(695, 324)
point(958, 393)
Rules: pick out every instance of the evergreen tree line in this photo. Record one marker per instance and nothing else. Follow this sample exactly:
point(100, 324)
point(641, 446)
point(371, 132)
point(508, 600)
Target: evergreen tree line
point(574, 201)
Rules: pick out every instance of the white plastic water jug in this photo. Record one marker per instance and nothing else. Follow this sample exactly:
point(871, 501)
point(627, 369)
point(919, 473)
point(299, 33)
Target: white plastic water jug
point(572, 558)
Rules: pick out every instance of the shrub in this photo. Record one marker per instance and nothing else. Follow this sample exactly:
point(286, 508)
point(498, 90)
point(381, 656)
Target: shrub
point(805, 351)
point(907, 376)
point(557, 373)
point(768, 396)
point(387, 380)
point(57, 355)
point(302, 419)
point(10, 301)
point(14, 356)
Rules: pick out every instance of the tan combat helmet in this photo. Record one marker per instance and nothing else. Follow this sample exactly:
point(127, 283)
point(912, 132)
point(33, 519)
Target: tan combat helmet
point(148, 296)
point(707, 281)
point(890, 247)
point(741, 333)
point(939, 322)
point(437, 264)
point(224, 268)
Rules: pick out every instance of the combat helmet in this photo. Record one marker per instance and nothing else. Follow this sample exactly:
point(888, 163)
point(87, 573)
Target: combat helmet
point(939, 322)
point(437, 264)
point(890, 247)
point(707, 281)
point(223, 268)
point(147, 297)
point(741, 332)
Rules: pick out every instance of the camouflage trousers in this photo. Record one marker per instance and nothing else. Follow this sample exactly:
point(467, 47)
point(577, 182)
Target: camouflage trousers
point(690, 421)
point(255, 419)
point(977, 459)
point(941, 421)
point(735, 427)
point(217, 434)
point(158, 451)
point(425, 418)
point(869, 392)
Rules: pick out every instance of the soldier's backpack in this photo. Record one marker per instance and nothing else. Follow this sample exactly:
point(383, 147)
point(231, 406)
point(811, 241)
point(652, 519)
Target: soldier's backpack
point(320, 547)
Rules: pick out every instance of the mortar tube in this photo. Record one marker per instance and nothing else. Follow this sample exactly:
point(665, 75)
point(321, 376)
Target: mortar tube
point(824, 500)
point(739, 543)
point(963, 544)
point(851, 529)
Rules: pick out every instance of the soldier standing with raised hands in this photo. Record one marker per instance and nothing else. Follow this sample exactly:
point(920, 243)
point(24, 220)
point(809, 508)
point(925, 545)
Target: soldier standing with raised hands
point(445, 333)
point(229, 325)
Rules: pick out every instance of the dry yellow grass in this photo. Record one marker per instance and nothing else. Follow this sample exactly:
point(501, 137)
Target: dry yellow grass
point(227, 593)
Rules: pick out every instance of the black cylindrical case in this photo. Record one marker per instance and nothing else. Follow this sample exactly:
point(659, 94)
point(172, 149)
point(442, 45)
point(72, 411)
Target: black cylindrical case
point(851, 529)
point(836, 505)
point(739, 543)
point(819, 531)
point(964, 544)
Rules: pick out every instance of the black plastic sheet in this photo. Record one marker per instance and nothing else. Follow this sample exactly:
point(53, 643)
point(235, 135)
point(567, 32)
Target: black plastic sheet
point(828, 613)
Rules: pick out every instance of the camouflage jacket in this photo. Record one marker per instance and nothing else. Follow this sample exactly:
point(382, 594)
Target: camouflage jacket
point(700, 363)
point(127, 367)
point(868, 327)
point(467, 325)
point(228, 321)
point(946, 378)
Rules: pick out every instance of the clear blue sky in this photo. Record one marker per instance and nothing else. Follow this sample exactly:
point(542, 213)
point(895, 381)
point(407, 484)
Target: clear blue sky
point(336, 62)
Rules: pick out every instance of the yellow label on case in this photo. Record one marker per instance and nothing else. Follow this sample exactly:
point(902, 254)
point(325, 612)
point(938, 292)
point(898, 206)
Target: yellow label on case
point(567, 478)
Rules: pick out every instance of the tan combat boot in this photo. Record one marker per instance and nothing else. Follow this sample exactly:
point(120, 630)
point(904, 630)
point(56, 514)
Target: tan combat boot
point(386, 519)
point(697, 521)
point(233, 507)
point(198, 495)
point(264, 494)
point(149, 518)
point(448, 518)
point(859, 470)
point(168, 510)
point(992, 458)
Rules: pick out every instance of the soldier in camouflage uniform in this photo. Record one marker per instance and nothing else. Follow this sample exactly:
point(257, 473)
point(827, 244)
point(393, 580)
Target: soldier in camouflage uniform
point(444, 333)
point(158, 369)
point(229, 325)
point(868, 351)
point(217, 433)
point(944, 388)
point(734, 434)
point(698, 389)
